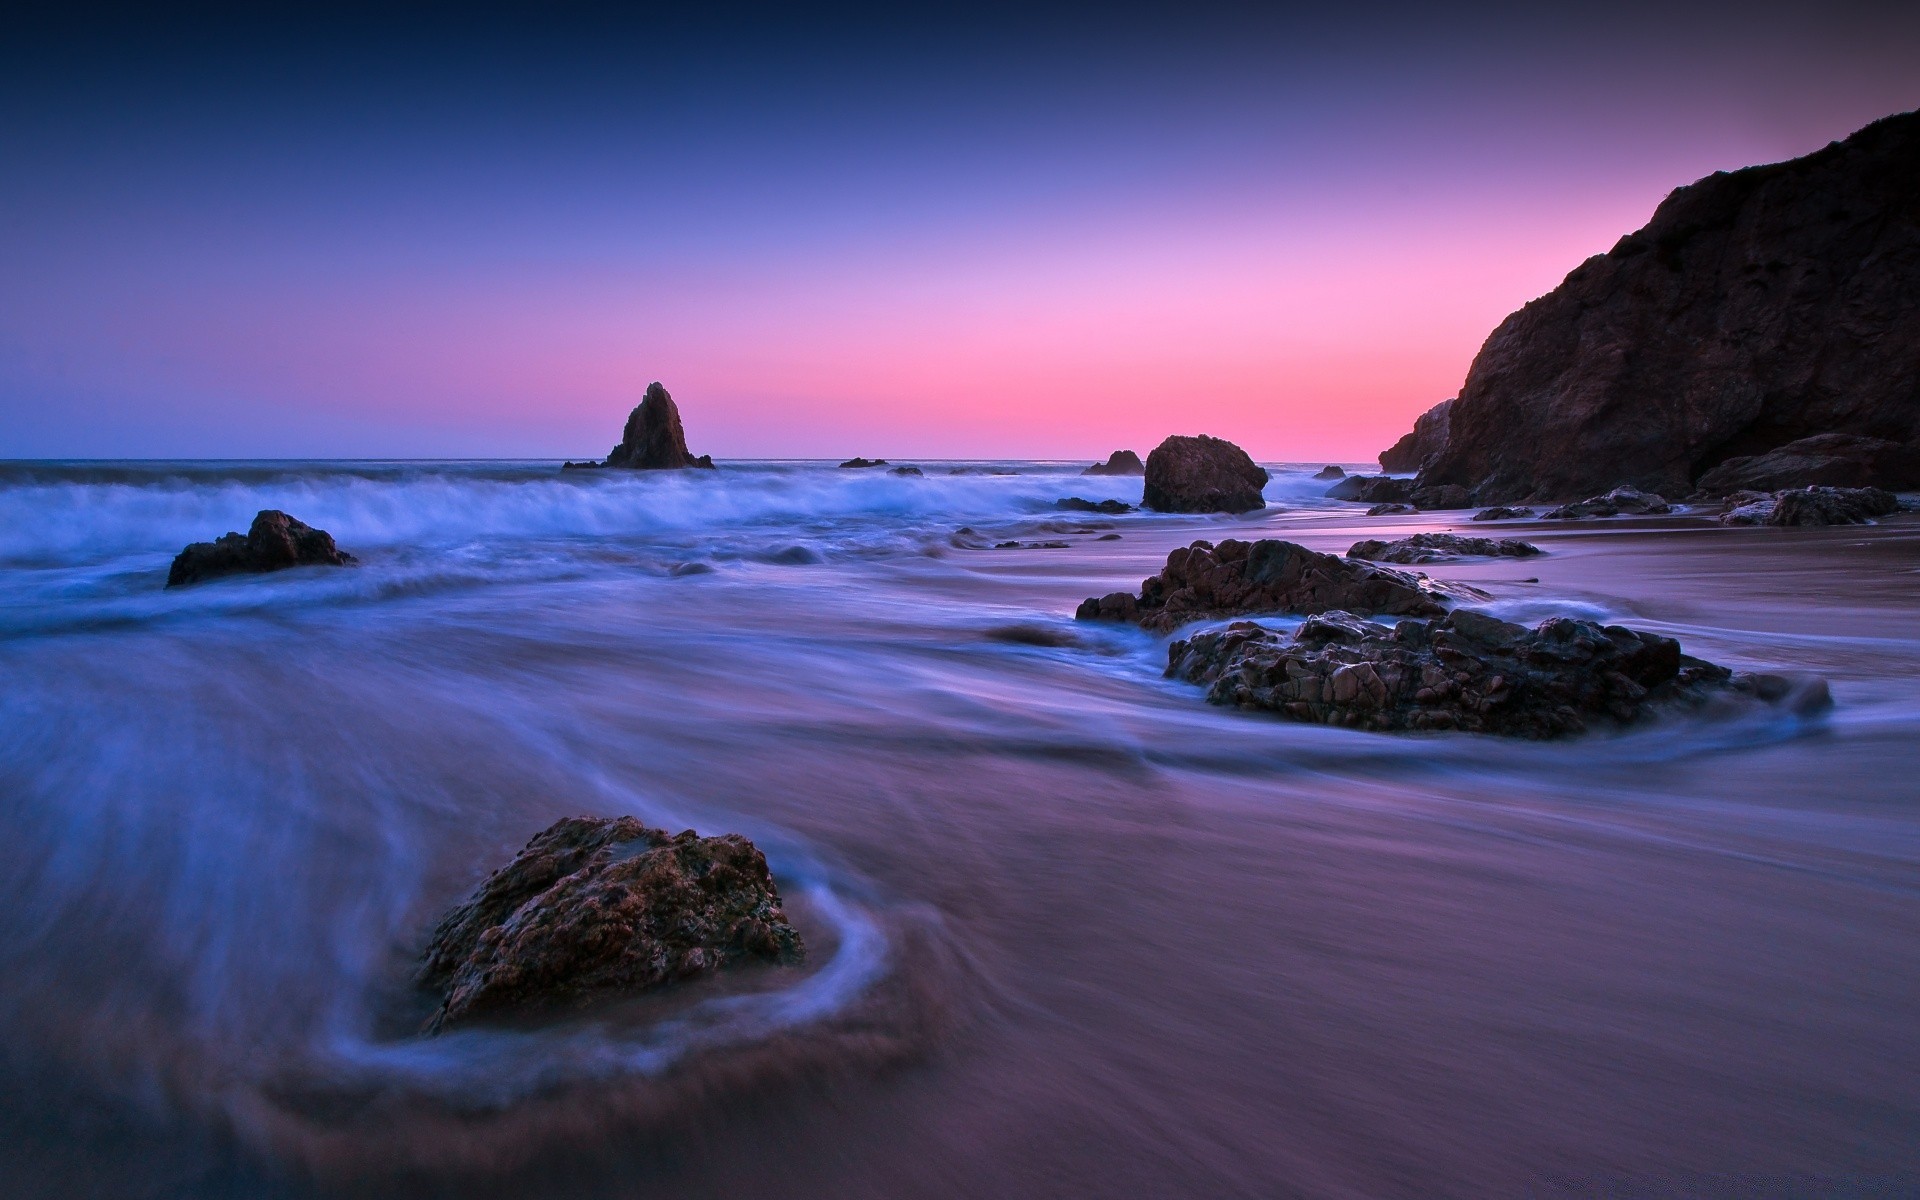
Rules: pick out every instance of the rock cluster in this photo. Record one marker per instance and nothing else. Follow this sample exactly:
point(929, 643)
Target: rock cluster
point(1428, 439)
point(1120, 462)
point(1204, 582)
point(1111, 507)
point(1627, 501)
point(594, 906)
point(274, 542)
point(1809, 506)
point(1757, 310)
point(1440, 547)
point(653, 439)
point(1466, 671)
point(1202, 475)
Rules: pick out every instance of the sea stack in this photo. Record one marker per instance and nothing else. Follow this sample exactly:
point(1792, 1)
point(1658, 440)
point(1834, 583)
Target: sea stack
point(1756, 312)
point(1203, 475)
point(653, 439)
point(1120, 462)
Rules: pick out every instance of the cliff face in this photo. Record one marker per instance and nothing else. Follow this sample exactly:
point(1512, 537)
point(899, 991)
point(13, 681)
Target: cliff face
point(1756, 309)
point(1429, 438)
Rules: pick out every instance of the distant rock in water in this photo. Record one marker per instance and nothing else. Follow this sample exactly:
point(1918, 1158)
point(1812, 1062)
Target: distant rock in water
point(1428, 439)
point(907, 472)
point(1621, 501)
point(1810, 506)
point(1755, 311)
point(1330, 472)
point(1204, 582)
point(594, 906)
point(1111, 507)
point(1372, 489)
point(861, 464)
point(1440, 547)
point(1201, 475)
point(653, 439)
point(1466, 670)
point(1825, 460)
point(275, 542)
point(1120, 462)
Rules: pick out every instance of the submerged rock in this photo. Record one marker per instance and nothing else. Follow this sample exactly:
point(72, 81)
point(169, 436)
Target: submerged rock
point(1204, 582)
point(594, 906)
point(1502, 513)
point(907, 471)
point(1825, 460)
point(1120, 462)
point(1111, 507)
point(1466, 670)
point(275, 542)
point(1620, 501)
point(1330, 472)
point(1428, 439)
point(861, 464)
point(1372, 489)
point(1203, 474)
point(1440, 547)
point(653, 439)
point(1809, 506)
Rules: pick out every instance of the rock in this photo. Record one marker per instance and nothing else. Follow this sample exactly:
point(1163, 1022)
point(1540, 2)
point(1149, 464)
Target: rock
point(1442, 496)
point(1112, 507)
point(653, 439)
point(1372, 489)
point(1120, 462)
point(595, 906)
point(907, 471)
point(1502, 513)
point(861, 464)
point(1032, 545)
point(1440, 547)
point(1621, 500)
point(1466, 670)
point(589, 465)
point(1810, 506)
point(1755, 310)
point(1428, 439)
point(1204, 582)
point(1330, 472)
point(1387, 510)
point(1203, 474)
point(1108, 537)
point(275, 542)
point(1824, 460)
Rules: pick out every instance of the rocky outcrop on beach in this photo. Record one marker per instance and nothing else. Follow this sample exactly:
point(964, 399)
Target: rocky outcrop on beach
point(1440, 547)
point(1372, 489)
point(1120, 462)
point(1621, 501)
point(653, 439)
point(1202, 475)
point(1330, 472)
point(594, 906)
point(1758, 309)
point(860, 464)
point(1425, 442)
point(1205, 582)
point(1390, 509)
point(1440, 496)
point(1110, 507)
point(1465, 671)
point(1826, 460)
point(1501, 512)
point(274, 542)
point(1809, 506)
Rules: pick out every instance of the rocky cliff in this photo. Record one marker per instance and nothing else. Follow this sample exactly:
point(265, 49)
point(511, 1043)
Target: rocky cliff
point(1756, 309)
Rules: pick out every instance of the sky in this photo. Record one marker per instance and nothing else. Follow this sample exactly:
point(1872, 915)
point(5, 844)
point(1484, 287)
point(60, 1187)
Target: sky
point(1021, 231)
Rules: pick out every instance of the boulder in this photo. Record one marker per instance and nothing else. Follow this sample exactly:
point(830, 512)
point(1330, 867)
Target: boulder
point(653, 439)
point(1372, 489)
point(1111, 507)
point(1330, 472)
point(1502, 513)
point(861, 464)
point(1824, 460)
point(1809, 506)
point(1428, 439)
point(1628, 501)
point(1120, 462)
point(1440, 547)
point(1203, 474)
point(1204, 582)
point(1387, 510)
point(595, 906)
point(1442, 496)
point(274, 542)
point(1757, 309)
point(1466, 670)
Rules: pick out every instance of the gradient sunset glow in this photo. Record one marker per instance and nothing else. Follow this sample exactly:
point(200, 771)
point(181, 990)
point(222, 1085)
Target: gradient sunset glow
point(945, 240)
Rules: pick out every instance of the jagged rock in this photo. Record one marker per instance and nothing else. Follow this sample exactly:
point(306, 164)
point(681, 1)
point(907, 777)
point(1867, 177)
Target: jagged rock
point(861, 464)
point(1440, 547)
point(274, 542)
point(1444, 496)
point(1465, 670)
point(1621, 500)
point(1112, 507)
point(1428, 439)
point(1372, 489)
point(1755, 310)
point(1826, 460)
point(1809, 506)
point(1120, 462)
point(653, 439)
point(1330, 472)
point(1502, 513)
point(1387, 510)
point(907, 471)
point(1203, 474)
point(1204, 582)
point(593, 906)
